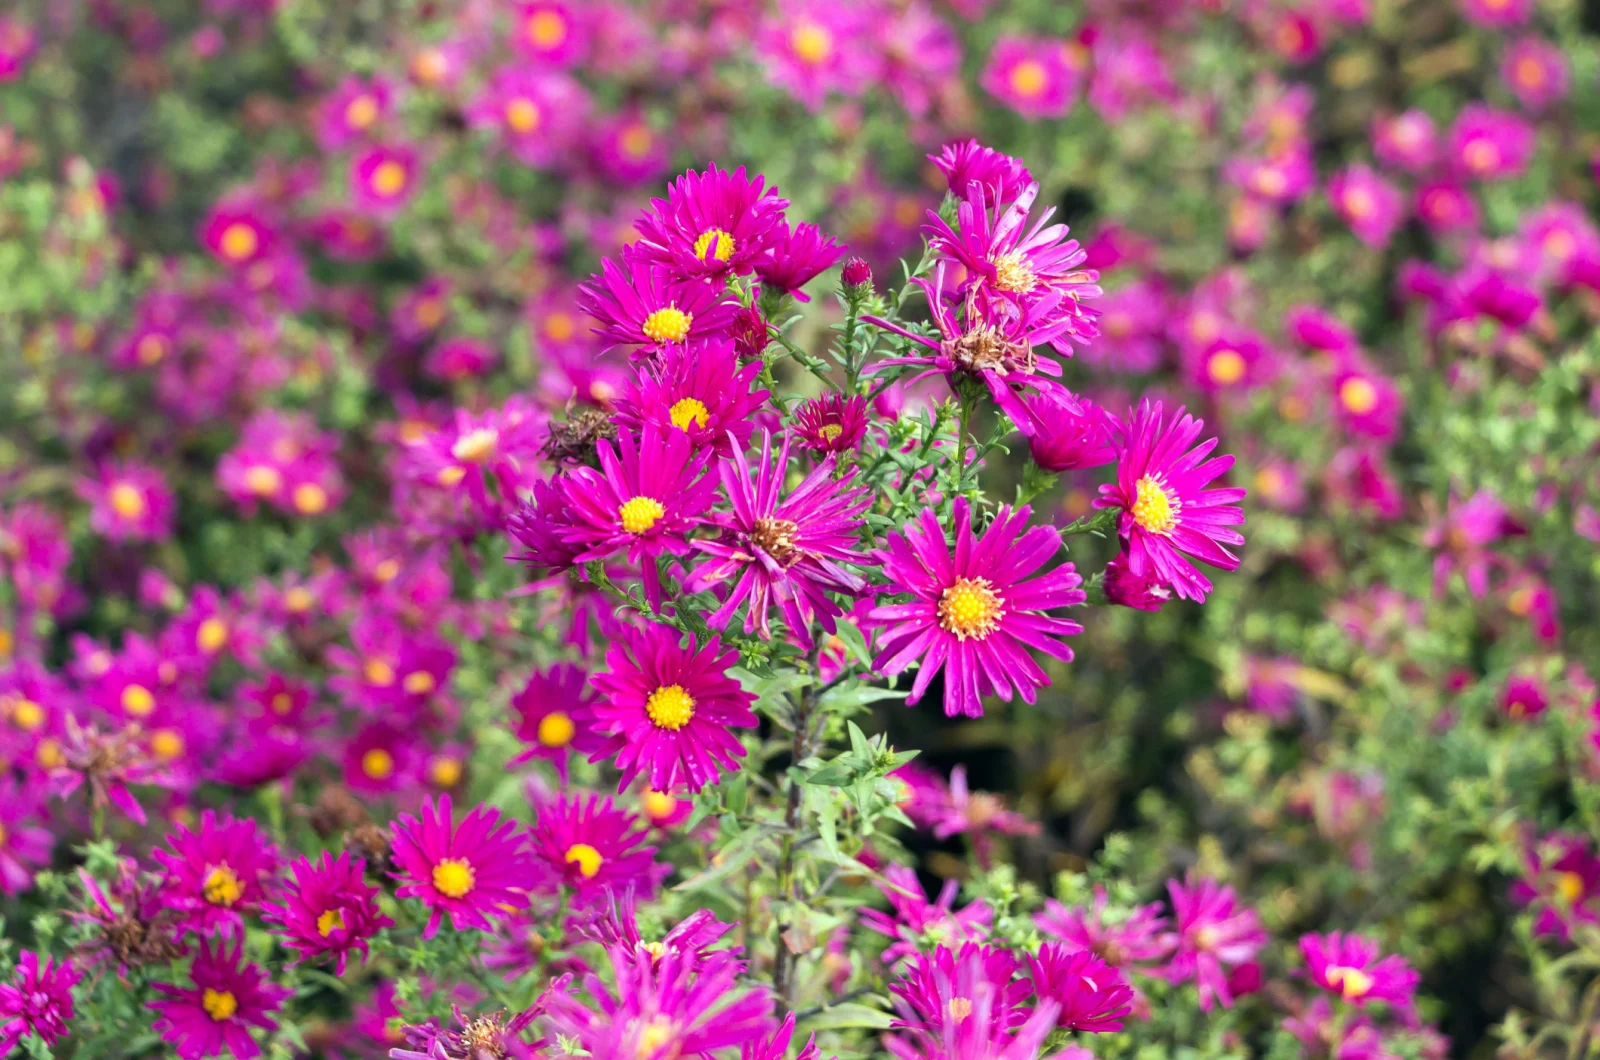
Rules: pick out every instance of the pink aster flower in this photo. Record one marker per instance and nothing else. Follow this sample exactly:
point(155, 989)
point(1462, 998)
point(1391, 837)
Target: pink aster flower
point(585, 845)
point(1090, 994)
point(538, 114)
point(1463, 536)
point(1497, 14)
point(616, 926)
point(384, 178)
point(711, 224)
point(460, 358)
point(640, 304)
point(629, 150)
point(977, 611)
point(483, 462)
point(1168, 514)
point(327, 910)
point(238, 232)
point(1407, 141)
point(282, 459)
point(555, 713)
point(1366, 403)
point(913, 918)
point(352, 112)
point(471, 1036)
point(1031, 76)
point(930, 992)
point(832, 423)
point(476, 872)
point(1066, 432)
point(1561, 881)
point(228, 997)
point(1523, 697)
point(812, 48)
point(1489, 144)
point(1445, 206)
point(1281, 178)
point(669, 709)
point(699, 389)
point(1213, 934)
point(1351, 967)
point(551, 33)
point(967, 164)
point(643, 501)
point(1370, 205)
point(24, 846)
point(798, 256)
point(921, 56)
point(784, 550)
point(38, 1000)
point(130, 502)
point(1142, 592)
point(979, 815)
point(1130, 942)
point(217, 873)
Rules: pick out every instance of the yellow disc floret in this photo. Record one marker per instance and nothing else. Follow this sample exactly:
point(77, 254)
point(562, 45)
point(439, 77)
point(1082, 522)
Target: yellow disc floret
point(222, 886)
point(1154, 507)
point(669, 324)
point(714, 244)
point(970, 609)
point(219, 1004)
point(330, 921)
point(454, 878)
point(640, 514)
point(586, 857)
point(1353, 983)
point(670, 707)
point(556, 729)
point(689, 410)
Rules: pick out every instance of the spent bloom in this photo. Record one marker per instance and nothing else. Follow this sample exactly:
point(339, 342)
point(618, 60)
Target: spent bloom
point(475, 871)
point(227, 997)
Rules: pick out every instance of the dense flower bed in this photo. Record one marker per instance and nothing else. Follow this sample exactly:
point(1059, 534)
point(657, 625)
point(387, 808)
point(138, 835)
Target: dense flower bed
point(633, 529)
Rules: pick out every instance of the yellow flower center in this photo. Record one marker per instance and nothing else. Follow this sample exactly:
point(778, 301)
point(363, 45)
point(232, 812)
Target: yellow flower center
point(386, 571)
point(959, 1008)
point(222, 886)
point(126, 500)
point(560, 326)
point(716, 242)
point(1358, 204)
point(586, 857)
point(219, 1004)
point(689, 410)
point(658, 804)
point(429, 66)
point(445, 772)
point(454, 878)
point(669, 707)
point(556, 729)
point(811, 42)
point(137, 700)
point(49, 754)
point(1569, 885)
point(639, 514)
point(1154, 508)
point(970, 609)
point(1352, 983)
point(1270, 181)
point(211, 635)
point(830, 431)
point(282, 703)
point(239, 241)
point(636, 141)
point(167, 744)
point(1358, 395)
point(310, 499)
point(1560, 244)
point(377, 763)
point(450, 477)
point(263, 481)
point(389, 179)
point(419, 683)
point(669, 324)
point(378, 672)
point(654, 1036)
point(299, 599)
point(151, 349)
point(362, 112)
point(1013, 273)
point(1481, 155)
point(330, 921)
point(546, 29)
point(1029, 78)
point(27, 715)
point(1225, 367)
point(522, 115)
point(476, 446)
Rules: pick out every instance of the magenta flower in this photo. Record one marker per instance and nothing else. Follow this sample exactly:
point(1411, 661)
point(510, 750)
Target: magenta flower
point(1370, 205)
point(1167, 513)
point(1236, 361)
point(1489, 144)
point(1497, 14)
point(37, 1001)
point(668, 710)
point(238, 233)
point(551, 33)
point(24, 846)
point(541, 525)
point(1462, 538)
point(1213, 934)
point(629, 150)
point(812, 48)
point(283, 460)
point(327, 910)
point(1351, 967)
point(616, 926)
point(477, 872)
point(968, 164)
point(1536, 72)
point(1523, 697)
point(832, 423)
point(912, 916)
point(477, 1037)
point(798, 256)
point(227, 997)
point(1445, 206)
point(586, 845)
point(1124, 943)
point(384, 178)
point(711, 224)
point(1031, 76)
point(1280, 178)
point(1090, 994)
point(216, 874)
point(130, 502)
point(1561, 880)
point(1066, 432)
point(975, 612)
point(644, 500)
point(1407, 141)
point(979, 815)
point(936, 990)
point(698, 389)
point(555, 713)
point(1366, 403)
point(784, 550)
point(646, 306)
point(538, 114)
point(351, 112)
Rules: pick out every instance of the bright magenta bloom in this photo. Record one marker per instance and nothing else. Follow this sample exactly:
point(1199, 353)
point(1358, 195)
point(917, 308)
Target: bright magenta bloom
point(227, 998)
point(1536, 72)
point(476, 872)
point(550, 33)
point(668, 709)
point(1135, 940)
point(539, 114)
point(1497, 14)
point(1408, 141)
point(644, 500)
point(699, 389)
point(832, 423)
point(131, 502)
point(1350, 966)
point(328, 909)
point(23, 845)
point(1236, 361)
point(37, 1001)
point(1561, 879)
point(968, 164)
point(711, 224)
point(798, 256)
point(586, 845)
point(1213, 935)
point(238, 233)
point(976, 611)
point(1066, 432)
point(1366, 403)
point(1370, 205)
point(937, 990)
point(777, 1047)
point(383, 178)
point(1092, 995)
point(641, 304)
point(1168, 514)
point(1031, 76)
point(912, 916)
point(813, 48)
point(1489, 144)
point(784, 550)
point(554, 714)
point(353, 111)
point(217, 873)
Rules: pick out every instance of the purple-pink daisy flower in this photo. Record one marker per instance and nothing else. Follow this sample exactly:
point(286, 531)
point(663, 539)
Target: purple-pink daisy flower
point(476, 872)
point(1213, 934)
point(967, 164)
point(711, 224)
point(555, 714)
point(1168, 514)
point(832, 423)
point(640, 303)
point(784, 551)
point(585, 844)
point(1092, 995)
point(129, 502)
point(228, 997)
point(798, 256)
point(1122, 942)
point(668, 709)
point(215, 874)
point(327, 909)
point(977, 610)
point(1354, 968)
point(700, 389)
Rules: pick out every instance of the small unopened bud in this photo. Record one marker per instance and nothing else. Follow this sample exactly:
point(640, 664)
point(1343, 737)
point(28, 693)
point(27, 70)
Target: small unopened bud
point(750, 333)
point(857, 273)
